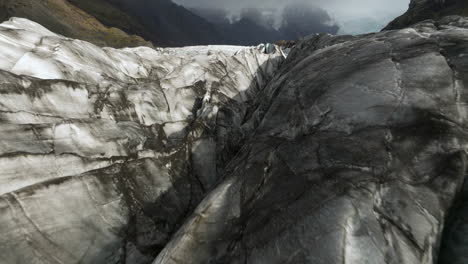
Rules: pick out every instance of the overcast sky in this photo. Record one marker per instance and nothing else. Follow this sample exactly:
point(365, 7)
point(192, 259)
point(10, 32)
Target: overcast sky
point(343, 11)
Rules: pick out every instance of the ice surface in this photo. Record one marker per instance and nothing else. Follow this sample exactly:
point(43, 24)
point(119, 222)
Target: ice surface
point(83, 127)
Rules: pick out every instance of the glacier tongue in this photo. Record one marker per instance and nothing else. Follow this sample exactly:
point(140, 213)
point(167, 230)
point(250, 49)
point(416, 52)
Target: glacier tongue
point(105, 151)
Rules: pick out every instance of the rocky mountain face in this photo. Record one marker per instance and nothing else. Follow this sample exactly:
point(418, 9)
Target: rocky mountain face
point(117, 23)
point(160, 21)
point(66, 19)
point(353, 149)
point(420, 10)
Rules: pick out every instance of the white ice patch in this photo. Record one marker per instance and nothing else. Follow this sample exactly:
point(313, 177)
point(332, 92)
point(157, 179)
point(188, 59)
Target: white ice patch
point(100, 102)
point(173, 129)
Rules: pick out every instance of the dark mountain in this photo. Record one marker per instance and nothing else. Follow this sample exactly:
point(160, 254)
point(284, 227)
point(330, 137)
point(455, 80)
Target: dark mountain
point(117, 23)
point(249, 29)
point(254, 26)
point(300, 20)
point(247, 32)
point(420, 10)
point(162, 21)
point(66, 19)
point(128, 23)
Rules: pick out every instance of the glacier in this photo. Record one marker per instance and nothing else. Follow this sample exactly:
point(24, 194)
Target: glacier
point(350, 149)
point(92, 137)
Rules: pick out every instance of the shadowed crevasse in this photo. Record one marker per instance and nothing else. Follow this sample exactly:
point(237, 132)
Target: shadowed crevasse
point(454, 243)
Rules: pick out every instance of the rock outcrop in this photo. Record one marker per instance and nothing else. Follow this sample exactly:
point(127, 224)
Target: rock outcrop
point(420, 10)
point(352, 150)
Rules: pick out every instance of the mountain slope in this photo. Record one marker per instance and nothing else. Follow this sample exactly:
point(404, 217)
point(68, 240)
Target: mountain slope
point(420, 10)
point(64, 18)
point(117, 23)
point(128, 23)
point(244, 31)
point(247, 32)
point(161, 21)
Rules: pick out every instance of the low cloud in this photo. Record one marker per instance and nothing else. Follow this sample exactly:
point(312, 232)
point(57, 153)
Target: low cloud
point(341, 12)
point(301, 19)
point(293, 21)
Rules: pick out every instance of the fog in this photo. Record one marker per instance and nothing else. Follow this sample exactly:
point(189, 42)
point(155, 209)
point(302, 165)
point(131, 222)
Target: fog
point(351, 16)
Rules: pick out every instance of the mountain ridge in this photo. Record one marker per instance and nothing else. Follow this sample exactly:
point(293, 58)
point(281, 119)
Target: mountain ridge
point(163, 23)
point(66, 19)
point(420, 10)
point(117, 23)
